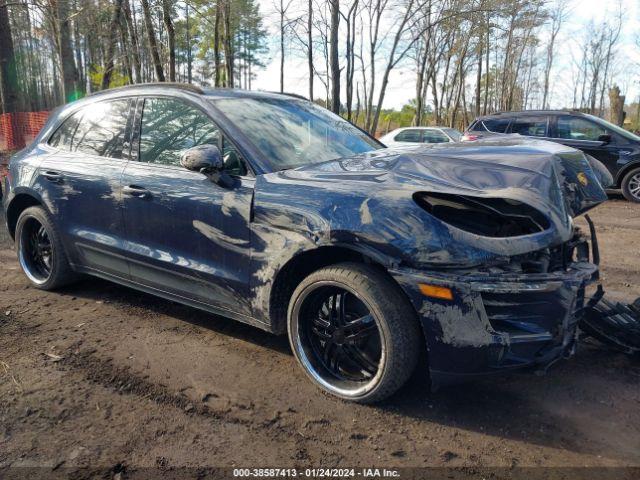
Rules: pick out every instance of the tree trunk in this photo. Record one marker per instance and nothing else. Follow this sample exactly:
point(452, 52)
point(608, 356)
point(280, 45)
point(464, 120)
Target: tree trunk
point(67, 61)
point(126, 49)
point(228, 45)
point(479, 77)
point(282, 12)
point(485, 104)
point(310, 49)
point(216, 43)
point(189, 49)
point(616, 103)
point(111, 48)
point(168, 23)
point(8, 72)
point(335, 62)
point(153, 44)
point(135, 45)
point(80, 68)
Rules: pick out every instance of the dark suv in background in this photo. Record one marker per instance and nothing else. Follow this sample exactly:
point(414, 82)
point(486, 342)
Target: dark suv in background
point(616, 148)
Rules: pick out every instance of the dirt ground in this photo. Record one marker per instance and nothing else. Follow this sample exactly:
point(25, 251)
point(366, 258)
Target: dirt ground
point(98, 375)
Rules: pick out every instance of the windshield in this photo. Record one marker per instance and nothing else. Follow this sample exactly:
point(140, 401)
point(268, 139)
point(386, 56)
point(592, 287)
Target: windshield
point(619, 130)
point(292, 133)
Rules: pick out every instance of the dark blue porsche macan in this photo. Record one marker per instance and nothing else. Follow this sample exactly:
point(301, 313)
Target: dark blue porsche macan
point(272, 211)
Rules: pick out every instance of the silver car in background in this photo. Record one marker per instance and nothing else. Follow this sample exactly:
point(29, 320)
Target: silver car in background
point(413, 135)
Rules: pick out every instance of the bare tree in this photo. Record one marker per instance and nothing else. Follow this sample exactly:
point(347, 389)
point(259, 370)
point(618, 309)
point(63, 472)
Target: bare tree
point(8, 71)
point(135, 45)
point(310, 47)
point(111, 48)
point(216, 43)
point(171, 34)
point(229, 58)
point(153, 43)
point(334, 6)
point(558, 16)
point(67, 60)
point(350, 19)
point(282, 9)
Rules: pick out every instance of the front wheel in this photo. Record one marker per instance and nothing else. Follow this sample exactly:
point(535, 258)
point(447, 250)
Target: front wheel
point(354, 332)
point(631, 186)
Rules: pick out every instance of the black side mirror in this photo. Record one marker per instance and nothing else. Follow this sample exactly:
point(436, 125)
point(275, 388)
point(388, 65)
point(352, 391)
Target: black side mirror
point(202, 158)
point(605, 139)
point(207, 160)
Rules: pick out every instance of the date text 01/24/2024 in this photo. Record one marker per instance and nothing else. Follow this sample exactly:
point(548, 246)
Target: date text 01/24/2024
point(315, 473)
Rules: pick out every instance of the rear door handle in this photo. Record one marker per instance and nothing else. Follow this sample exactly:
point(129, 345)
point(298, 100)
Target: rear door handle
point(136, 191)
point(52, 176)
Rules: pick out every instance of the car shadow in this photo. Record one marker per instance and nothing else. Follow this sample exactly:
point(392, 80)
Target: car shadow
point(101, 290)
point(520, 407)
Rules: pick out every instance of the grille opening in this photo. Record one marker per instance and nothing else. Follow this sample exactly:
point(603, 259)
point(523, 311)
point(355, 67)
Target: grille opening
point(488, 217)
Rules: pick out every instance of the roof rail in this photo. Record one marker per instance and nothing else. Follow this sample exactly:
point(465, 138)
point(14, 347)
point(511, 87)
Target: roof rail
point(177, 85)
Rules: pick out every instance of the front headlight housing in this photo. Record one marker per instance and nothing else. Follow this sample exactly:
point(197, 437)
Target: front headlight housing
point(488, 217)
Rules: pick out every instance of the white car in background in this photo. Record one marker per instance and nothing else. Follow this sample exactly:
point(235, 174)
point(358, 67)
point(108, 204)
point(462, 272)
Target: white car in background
point(413, 135)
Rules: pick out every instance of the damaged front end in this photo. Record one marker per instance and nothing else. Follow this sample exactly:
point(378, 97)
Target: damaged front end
point(521, 309)
point(522, 314)
point(480, 237)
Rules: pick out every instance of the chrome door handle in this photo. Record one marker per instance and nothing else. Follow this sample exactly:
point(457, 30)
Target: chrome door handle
point(136, 191)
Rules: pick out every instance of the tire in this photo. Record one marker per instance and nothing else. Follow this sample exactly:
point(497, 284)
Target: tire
point(36, 221)
point(386, 323)
point(631, 185)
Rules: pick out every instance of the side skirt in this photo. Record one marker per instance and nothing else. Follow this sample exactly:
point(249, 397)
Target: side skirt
point(173, 297)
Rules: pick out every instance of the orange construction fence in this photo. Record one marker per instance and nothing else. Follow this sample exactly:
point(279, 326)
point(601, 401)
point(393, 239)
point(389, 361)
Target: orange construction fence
point(18, 129)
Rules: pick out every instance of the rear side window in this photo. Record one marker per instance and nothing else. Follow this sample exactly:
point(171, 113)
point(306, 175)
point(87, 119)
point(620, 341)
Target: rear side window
point(63, 137)
point(434, 136)
point(495, 125)
point(530, 126)
point(97, 129)
point(412, 136)
point(577, 128)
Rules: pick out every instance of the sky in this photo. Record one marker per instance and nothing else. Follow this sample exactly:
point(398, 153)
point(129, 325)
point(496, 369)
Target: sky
point(402, 81)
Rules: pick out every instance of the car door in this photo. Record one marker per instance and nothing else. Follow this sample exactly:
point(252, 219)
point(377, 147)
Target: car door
point(186, 235)
point(80, 184)
point(583, 134)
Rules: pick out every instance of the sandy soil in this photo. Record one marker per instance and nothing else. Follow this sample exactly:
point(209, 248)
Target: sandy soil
point(103, 376)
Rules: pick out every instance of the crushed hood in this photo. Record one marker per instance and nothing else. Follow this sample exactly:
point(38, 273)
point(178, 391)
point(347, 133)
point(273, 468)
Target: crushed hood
point(370, 199)
point(555, 179)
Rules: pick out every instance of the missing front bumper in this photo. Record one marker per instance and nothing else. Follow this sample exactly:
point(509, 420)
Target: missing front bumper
point(499, 322)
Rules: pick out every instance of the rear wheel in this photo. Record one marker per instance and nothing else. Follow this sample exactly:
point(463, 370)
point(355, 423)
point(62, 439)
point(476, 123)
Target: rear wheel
point(631, 186)
point(353, 332)
point(40, 250)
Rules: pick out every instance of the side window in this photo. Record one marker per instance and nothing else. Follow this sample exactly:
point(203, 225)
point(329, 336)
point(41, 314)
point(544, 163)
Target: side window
point(530, 126)
point(169, 127)
point(434, 136)
point(495, 125)
point(234, 164)
point(576, 128)
point(63, 136)
point(101, 129)
point(412, 136)
point(477, 126)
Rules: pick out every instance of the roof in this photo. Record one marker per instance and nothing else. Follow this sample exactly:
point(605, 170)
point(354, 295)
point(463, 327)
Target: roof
point(209, 92)
point(524, 113)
